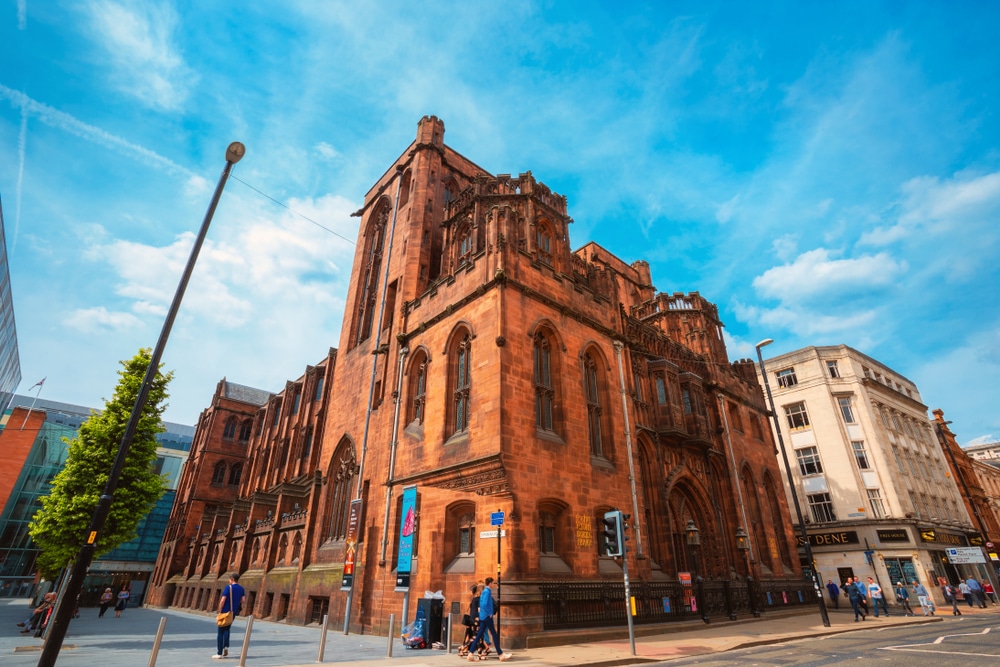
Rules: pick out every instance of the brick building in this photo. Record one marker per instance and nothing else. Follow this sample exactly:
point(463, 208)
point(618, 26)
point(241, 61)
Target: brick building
point(491, 367)
point(977, 483)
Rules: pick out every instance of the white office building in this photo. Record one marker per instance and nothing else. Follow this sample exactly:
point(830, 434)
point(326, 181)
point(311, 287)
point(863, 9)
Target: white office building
point(876, 494)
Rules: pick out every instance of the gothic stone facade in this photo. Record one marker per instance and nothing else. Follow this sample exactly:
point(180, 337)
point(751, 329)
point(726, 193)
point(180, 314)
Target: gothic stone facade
point(487, 364)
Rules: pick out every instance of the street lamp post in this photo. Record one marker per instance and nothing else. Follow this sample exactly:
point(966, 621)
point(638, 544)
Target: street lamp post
point(64, 610)
point(791, 485)
point(693, 536)
point(743, 544)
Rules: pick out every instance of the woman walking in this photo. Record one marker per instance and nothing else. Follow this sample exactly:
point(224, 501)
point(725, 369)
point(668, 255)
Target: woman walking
point(106, 599)
point(123, 595)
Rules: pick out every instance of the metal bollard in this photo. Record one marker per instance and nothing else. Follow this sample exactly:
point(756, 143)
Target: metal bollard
point(322, 638)
point(451, 624)
point(392, 630)
point(246, 642)
point(156, 642)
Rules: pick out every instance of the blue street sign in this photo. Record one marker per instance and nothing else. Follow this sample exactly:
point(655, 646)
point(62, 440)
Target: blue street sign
point(496, 518)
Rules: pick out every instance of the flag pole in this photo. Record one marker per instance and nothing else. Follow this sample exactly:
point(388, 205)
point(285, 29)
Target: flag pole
point(35, 400)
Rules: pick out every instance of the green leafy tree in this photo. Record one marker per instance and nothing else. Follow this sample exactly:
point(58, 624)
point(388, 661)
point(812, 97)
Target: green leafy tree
point(59, 528)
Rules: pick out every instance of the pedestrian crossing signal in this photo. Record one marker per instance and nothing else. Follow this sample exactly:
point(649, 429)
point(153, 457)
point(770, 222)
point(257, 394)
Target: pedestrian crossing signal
point(614, 538)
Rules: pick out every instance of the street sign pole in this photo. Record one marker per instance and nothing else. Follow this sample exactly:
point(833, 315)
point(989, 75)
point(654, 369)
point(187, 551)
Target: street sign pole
point(496, 519)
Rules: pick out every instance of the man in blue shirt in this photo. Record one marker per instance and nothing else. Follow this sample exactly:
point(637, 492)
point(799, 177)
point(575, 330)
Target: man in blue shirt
point(231, 601)
point(486, 612)
point(834, 591)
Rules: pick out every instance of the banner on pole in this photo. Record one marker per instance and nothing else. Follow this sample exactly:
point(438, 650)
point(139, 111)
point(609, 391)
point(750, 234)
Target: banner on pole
point(407, 529)
point(350, 557)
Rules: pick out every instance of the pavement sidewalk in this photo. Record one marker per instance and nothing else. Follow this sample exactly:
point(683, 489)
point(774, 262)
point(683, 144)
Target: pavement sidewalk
point(189, 640)
point(679, 640)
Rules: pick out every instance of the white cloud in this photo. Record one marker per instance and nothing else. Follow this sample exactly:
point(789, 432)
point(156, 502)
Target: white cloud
point(139, 39)
point(326, 151)
point(814, 272)
point(961, 380)
point(248, 260)
point(101, 320)
point(725, 212)
point(937, 207)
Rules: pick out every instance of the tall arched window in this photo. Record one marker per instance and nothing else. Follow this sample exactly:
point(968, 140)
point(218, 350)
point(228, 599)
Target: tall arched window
point(235, 473)
point(371, 263)
point(770, 490)
point(462, 383)
point(464, 245)
point(545, 394)
point(543, 242)
point(229, 432)
point(592, 386)
point(219, 473)
point(341, 481)
point(417, 388)
point(246, 428)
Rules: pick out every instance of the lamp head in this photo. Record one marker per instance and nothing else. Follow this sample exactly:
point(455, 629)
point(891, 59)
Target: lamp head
point(764, 343)
point(235, 152)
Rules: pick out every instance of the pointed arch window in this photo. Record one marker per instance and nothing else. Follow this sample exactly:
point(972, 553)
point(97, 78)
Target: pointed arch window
point(465, 245)
point(543, 243)
point(342, 479)
point(545, 394)
point(371, 263)
point(235, 473)
point(591, 376)
point(219, 474)
point(246, 428)
point(462, 383)
point(418, 388)
point(229, 432)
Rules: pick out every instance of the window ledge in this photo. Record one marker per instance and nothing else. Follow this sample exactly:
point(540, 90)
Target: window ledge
point(550, 436)
point(462, 564)
point(415, 430)
point(601, 462)
point(460, 438)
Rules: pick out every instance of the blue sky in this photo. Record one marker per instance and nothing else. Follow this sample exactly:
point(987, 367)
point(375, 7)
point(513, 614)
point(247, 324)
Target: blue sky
point(826, 172)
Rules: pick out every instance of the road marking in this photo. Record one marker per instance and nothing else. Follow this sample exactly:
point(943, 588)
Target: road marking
point(937, 642)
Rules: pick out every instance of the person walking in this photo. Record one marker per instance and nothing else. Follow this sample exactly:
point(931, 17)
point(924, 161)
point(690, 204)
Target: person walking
point(875, 591)
point(472, 627)
point(950, 594)
point(988, 591)
point(230, 603)
point(855, 594)
point(486, 612)
point(106, 597)
point(924, 598)
point(123, 596)
point(966, 592)
point(903, 598)
point(834, 591)
point(976, 591)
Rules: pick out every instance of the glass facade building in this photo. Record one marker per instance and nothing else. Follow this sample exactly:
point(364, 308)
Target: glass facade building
point(10, 361)
point(128, 564)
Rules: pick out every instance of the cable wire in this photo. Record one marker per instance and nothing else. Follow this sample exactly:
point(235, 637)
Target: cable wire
point(304, 217)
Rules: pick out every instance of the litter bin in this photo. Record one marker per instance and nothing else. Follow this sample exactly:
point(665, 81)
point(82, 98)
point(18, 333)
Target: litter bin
point(433, 612)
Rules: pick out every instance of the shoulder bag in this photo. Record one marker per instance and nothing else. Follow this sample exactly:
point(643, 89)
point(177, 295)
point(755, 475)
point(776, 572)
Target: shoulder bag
point(225, 618)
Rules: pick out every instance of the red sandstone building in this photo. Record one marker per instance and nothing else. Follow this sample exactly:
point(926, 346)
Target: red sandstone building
point(493, 368)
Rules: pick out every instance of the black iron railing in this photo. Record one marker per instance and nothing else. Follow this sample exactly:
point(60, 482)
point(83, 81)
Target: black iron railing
point(602, 603)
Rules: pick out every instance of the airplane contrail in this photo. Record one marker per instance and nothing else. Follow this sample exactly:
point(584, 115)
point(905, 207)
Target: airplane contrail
point(64, 121)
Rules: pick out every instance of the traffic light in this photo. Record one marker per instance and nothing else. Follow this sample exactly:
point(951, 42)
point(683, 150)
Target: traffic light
point(613, 533)
point(624, 530)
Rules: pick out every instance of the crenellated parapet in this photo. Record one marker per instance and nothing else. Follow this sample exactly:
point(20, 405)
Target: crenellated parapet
point(490, 188)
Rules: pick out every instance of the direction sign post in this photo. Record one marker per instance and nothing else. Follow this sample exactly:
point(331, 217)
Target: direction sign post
point(496, 519)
